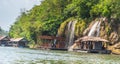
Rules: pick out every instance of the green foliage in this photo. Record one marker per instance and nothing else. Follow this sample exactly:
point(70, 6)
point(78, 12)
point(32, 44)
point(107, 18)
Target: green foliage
point(80, 27)
point(108, 29)
point(46, 18)
point(43, 19)
point(106, 8)
point(63, 26)
point(80, 8)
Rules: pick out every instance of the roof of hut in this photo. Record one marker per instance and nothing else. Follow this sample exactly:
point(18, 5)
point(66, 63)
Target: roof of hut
point(16, 39)
point(2, 37)
point(89, 38)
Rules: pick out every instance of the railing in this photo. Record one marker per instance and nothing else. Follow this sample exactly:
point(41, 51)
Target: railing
point(51, 37)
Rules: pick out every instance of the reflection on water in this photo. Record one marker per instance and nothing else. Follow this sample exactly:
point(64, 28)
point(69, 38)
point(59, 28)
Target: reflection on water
point(10, 55)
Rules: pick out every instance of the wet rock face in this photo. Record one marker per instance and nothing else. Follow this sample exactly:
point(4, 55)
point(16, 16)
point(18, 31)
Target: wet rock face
point(114, 38)
point(117, 46)
point(109, 29)
point(86, 31)
point(98, 22)
point(114, 34)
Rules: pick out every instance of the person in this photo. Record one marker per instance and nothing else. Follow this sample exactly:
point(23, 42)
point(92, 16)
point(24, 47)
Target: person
point(53, 45)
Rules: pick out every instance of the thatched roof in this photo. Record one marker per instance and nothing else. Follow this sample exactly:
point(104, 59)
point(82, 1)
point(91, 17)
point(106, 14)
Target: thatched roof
point(89, 38)
point(4, 38)
point(16, 39)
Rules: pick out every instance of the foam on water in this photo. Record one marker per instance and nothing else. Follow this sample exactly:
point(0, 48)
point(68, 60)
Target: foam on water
point(11, 55)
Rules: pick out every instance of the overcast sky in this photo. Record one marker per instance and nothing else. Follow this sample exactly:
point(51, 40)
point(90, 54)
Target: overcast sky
point(10, 10)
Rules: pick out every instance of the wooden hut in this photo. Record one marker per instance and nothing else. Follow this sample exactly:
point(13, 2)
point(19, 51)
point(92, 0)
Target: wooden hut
point(4, 40)
point(92, 44)
point(48, 42)
point(18, 42)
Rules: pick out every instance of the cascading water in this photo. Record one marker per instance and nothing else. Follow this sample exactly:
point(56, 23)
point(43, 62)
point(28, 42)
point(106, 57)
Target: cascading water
point(70, 33)
point(98, 29)
point(95, 29)
point(55, 41)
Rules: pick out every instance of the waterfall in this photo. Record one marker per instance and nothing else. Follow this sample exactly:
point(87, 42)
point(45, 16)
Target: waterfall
point(70, 33)
point(98, 29)
point(95, 29)
point(55, 40)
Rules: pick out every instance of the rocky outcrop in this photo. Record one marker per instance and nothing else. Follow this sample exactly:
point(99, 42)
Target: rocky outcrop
point(115, 48)
point(110, 30)
point(114, 38)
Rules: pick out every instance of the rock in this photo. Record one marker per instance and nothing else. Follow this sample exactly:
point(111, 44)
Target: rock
point(114, 37)
point(115, 48)
point(72, 47)
point(86, 31)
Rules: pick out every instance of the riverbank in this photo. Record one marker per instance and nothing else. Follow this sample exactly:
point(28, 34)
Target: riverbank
point(109, 48)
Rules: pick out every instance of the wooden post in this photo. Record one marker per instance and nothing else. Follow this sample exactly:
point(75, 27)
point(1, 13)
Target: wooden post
point(93, 43)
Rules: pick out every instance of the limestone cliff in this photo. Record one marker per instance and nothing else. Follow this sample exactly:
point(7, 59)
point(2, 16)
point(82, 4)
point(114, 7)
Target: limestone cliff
point(110, 30)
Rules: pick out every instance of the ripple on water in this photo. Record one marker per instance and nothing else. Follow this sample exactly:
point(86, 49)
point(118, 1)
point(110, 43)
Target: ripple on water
point(11, 55)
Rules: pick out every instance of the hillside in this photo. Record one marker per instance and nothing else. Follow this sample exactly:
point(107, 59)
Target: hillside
point(52, 16)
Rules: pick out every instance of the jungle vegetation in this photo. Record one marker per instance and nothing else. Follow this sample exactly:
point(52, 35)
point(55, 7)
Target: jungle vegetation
point(46, 18)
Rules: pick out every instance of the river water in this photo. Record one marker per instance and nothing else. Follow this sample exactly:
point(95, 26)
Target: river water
point(11, 55)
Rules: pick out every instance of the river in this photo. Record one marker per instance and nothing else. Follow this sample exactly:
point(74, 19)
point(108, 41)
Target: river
point(11, 55)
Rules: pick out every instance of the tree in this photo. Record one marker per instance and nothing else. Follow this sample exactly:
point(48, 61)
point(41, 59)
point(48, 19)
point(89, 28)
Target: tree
point(46, 18)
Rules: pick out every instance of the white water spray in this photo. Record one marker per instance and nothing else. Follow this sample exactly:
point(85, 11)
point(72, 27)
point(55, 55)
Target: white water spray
point(70, 33)
point(95, 29)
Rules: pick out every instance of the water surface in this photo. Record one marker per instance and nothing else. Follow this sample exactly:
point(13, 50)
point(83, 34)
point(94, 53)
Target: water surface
point(11, 55)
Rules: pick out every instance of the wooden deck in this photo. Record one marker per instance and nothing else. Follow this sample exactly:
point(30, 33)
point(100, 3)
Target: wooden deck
point(100, 51)
point(62, 49)
point(93, 51)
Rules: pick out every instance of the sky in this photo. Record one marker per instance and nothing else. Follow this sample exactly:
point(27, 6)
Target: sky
point(11, 9)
